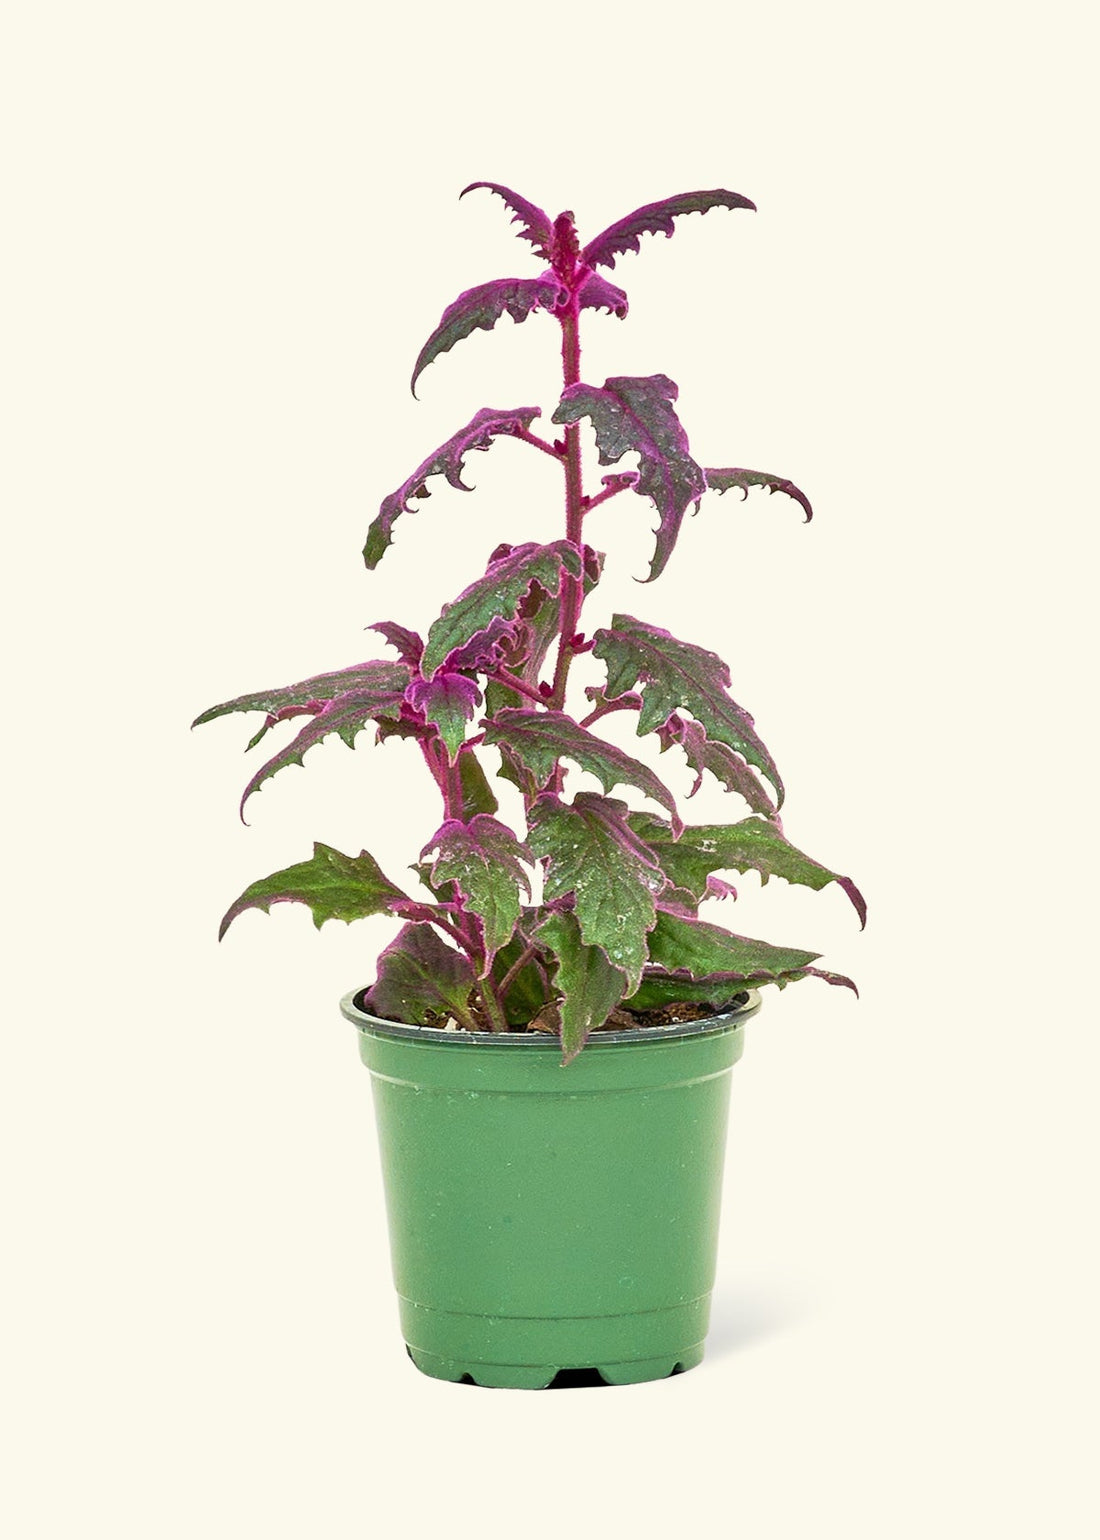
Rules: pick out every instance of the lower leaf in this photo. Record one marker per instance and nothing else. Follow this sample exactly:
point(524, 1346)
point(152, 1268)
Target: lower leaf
point(588, 986)
point(334, 886)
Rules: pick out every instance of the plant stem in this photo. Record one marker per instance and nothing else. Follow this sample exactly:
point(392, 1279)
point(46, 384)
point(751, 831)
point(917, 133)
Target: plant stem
point(527, 437)
point(502, 676)
point(573, 587)
point(521, 962)
point(494, 1009)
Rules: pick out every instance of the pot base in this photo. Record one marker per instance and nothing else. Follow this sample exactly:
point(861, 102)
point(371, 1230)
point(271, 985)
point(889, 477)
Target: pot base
point(539, 1376)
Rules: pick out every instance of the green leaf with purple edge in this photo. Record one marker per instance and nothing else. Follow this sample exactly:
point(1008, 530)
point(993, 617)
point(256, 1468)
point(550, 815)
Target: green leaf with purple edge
point(676, 674)
point(589, 986)
point(482, 307)
point(656, 218)
point(347, 715)
point(703, 753)
point(333, 886)
point(594, 854)
point(711, 964)
point(448, 701)
point(634, 414)
point(421, 978)
point(539, 739)
point(477, 794)
point(499, 593)
point(309, 696)
point(448, 461)
point(484, 860)
point(536, 226)
point(723, 480)
point(754, 845)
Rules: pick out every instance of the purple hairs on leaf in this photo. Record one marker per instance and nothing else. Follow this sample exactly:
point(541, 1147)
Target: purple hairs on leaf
point(447, 460)
point(722, 480)
point(535, 224)
point(636, 414)
point(448, 700)
point(654, 218)
point(410, 647)
point(482, 307)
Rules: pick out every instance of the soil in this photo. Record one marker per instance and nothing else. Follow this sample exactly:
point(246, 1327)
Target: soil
point(620, 1019)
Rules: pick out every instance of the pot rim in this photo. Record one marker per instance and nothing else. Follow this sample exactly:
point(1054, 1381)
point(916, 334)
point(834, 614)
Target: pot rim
point(721, 1021)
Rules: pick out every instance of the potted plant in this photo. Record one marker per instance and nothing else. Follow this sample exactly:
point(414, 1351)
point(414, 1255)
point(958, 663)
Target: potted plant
point(551, 1029)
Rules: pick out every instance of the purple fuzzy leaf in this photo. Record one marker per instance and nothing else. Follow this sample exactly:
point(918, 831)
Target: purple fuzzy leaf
point(597, 294)
point(635, 415)
point(654, 218)
point(347, 715)
point(589, 986)
point(705, 962)
point(753, 845)
point(311, 695)
point(333, 885)
point(678, 674)
point(483, 859)
point(409, 645)
point(448, 701)
point(539, 739)
point(595, 855)
point(482, 307)
point(535, 224)
point(447, 460)
point(704, 753)
point(421, 978)
point(485, 650)
point(498, 594)
point(722, 480)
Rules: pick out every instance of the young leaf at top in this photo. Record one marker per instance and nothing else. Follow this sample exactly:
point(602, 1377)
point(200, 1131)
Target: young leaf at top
point(409, 646)
point(482, 307)
point(333, 885)
point(347, 715)
point(675, 674)
point(535, 224)
point(447, 460)
point(421, 978)
point(594, 854)
point(752, 845)
point(589, 986)
point(311, 695)
point(722, 480)
point(540, 738)
point(597, 294)
point(448, 701)
point(484, 861)
point(498, 593)
point(654, 218)
point(635, 414)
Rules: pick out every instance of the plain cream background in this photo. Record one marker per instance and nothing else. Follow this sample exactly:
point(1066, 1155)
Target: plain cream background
point(230, 228)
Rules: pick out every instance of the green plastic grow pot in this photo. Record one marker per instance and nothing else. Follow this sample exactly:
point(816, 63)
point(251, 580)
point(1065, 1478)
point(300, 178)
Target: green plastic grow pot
point(545, 1218)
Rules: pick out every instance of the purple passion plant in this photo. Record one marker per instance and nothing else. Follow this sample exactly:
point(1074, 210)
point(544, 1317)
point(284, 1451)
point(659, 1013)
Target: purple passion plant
point(617, 931)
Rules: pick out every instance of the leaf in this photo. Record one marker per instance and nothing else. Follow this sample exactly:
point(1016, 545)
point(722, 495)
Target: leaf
point(409, 645)
point(704, 753)
point(333, 885)
point(421, 978)
point(527, 994)
point(498, 593)
point(310, 695)
point(484, 861)
point(696, 950)
point(346, 715)
point(447, 460)
point(485, 650)
point(589, 986)
point(634, 414)
point(540, 738)
point(447, 700)
point(595, 855)
point(536, 225)
point(722, 480)
point(597, 294)
point(754, 845)
point(653, 218)
point(675, 674)
point(477, 794)
point(482, 307)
